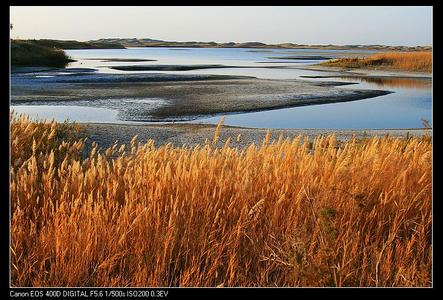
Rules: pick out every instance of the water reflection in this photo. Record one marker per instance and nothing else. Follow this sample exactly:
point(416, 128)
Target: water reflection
point(395, 82)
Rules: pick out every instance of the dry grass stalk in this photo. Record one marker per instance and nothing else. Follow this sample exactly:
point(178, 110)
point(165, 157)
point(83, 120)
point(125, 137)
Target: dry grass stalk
point(418, 61)
point(217, 130)
point(356, 214)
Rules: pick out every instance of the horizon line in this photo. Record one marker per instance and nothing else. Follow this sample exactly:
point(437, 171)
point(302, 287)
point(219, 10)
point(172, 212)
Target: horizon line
point(195, 41)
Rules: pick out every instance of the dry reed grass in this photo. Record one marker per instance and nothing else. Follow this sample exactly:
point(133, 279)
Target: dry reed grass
point(285, 213)
point(418, 61)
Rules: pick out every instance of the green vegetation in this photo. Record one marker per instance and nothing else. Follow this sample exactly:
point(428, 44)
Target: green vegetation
point(29, 53)
point(49, 53)
point(78, 45)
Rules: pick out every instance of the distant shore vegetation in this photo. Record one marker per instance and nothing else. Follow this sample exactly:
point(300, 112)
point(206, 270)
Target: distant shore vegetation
point(26, 53)
point(50, 53)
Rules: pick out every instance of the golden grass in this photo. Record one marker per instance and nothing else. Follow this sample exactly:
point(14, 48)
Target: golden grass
point(285, 213)
point(418, 61)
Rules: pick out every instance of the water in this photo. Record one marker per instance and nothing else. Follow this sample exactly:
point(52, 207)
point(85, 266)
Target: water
point(405, 108)
point(62, 113)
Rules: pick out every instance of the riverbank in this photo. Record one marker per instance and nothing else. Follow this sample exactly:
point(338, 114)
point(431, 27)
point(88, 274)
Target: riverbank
point(418, 61)
point(91, 91)
point(192, 135)
point(28, 53)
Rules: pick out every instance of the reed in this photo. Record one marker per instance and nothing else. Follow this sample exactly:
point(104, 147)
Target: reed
point(289, 212)
point(417, 61)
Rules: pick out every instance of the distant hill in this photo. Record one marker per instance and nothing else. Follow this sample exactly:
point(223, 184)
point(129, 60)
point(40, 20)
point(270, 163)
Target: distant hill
point(121, 43)
point(67, 45)
point(132, 42)
point(146, 42)
point(61, 44)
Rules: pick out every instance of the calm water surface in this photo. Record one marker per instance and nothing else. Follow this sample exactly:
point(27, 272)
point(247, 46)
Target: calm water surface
point(405, 108)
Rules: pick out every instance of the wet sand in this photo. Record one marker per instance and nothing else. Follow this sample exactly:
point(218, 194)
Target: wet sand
point(166, 97)
point(170, 67)
point(196, 134)
point(171, 97)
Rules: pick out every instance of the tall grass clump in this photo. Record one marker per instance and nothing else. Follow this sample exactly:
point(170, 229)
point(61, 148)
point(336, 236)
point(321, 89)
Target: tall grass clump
point(417, 61)
point(289, 212)
point(31, 53)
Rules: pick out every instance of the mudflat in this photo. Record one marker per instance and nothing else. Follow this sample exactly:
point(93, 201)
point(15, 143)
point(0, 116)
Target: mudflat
point(166, 97)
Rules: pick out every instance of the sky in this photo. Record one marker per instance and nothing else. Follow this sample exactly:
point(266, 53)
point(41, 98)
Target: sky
point(340, 25)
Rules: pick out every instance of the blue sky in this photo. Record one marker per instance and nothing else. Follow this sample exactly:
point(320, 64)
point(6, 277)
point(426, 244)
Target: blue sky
point(297, 24)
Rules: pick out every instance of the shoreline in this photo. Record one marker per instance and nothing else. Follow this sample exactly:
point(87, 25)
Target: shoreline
point(105, 134)
point(180, 97)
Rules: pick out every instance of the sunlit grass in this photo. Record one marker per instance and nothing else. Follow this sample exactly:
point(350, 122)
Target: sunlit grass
point(288, 213)
point(420, 61)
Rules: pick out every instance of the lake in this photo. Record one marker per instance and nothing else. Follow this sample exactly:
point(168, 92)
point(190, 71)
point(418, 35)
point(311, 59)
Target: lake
point(410, 102)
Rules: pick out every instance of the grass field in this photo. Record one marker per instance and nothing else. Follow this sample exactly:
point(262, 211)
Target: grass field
point(288, 213)
point(418, 61)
